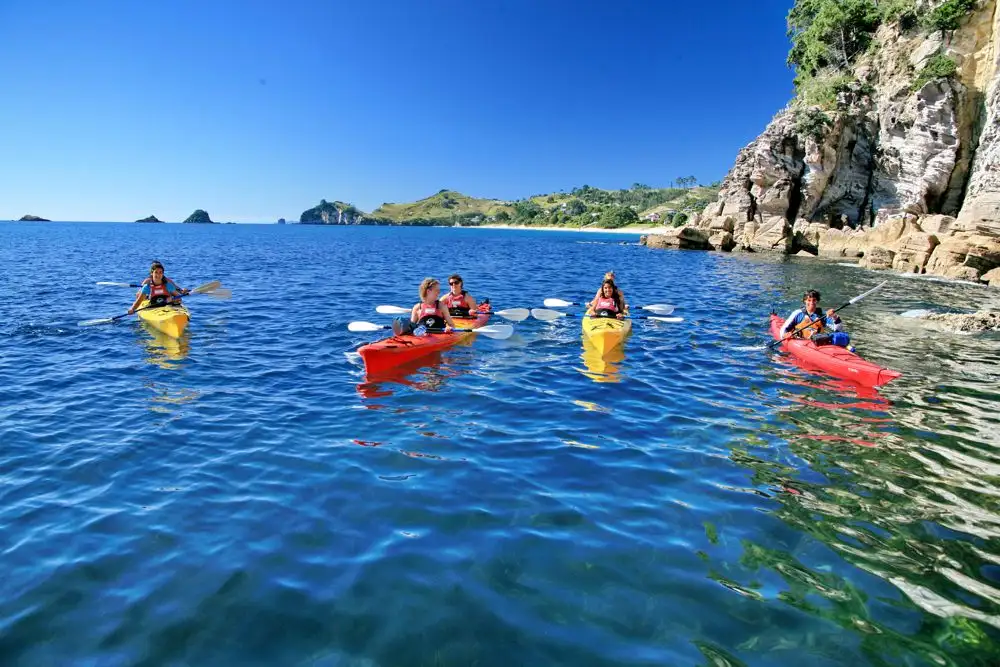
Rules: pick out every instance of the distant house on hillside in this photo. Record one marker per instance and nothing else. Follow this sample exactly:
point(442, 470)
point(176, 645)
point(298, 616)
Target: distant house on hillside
point(653, 217)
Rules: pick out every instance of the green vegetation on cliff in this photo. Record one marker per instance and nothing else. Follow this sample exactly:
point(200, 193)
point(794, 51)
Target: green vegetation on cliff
point(329, 213)
point(829, 35)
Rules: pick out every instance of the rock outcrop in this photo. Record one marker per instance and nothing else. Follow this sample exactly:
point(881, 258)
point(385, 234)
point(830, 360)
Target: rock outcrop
point(32, 218)
point(151, 218)
point(332, 213)
point(900, 168)
point(199, 216)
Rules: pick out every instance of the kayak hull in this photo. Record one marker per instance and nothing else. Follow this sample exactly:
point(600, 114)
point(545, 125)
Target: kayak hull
point(833, 359)
point(170, 320)
point(388, 353)
point(605, 333)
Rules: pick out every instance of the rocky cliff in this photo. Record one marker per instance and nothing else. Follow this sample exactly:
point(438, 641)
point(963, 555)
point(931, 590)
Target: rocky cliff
point(890, 153)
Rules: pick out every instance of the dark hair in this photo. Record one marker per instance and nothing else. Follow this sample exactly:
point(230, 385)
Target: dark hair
point(811, 294)
point(457, 277)
point(154, 266)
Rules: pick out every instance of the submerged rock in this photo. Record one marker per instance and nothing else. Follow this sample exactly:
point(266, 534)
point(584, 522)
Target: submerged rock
point(982, 320)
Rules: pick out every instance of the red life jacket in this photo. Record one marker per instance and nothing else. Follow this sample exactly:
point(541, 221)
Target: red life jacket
point(606, 304)
point(429, 314)
point(158, 293)
point(456, 305)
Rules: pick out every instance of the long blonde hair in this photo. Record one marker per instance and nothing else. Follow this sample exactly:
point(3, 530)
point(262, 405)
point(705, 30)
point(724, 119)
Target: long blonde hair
point(425, 286)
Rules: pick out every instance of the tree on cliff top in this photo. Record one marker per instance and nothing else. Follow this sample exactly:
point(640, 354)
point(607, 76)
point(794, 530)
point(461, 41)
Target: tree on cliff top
point(829, 33)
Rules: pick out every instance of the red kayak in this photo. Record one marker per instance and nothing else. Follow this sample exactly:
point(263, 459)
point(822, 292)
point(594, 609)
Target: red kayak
point(833, 359)
point(389, 352)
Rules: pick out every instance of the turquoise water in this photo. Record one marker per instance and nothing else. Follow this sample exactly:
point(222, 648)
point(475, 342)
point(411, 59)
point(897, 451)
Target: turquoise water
point(245, 496)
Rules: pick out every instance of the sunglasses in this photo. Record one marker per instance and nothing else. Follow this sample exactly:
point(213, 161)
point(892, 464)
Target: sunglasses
point(454, 282)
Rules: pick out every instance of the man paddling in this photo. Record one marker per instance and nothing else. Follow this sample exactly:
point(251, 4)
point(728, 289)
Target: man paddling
point(808, 321)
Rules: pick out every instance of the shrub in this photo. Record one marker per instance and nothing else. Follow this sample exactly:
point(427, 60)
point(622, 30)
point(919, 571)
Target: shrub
point(939, 66)
point(948, 15)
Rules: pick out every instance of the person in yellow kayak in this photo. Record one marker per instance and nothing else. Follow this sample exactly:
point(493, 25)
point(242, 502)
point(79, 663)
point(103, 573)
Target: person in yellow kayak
point(158, 289)
point(428, 315)
point(610, 275)
point(608, 302)
point(458, 301)
point(809, 322)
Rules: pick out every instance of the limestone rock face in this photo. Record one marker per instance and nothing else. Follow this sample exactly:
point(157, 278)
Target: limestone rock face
point(901, 172)
point(992, 277)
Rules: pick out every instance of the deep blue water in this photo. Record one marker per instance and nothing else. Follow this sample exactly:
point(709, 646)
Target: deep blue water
point(245, 497)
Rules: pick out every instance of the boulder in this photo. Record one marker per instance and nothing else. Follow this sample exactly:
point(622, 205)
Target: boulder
point(685, 238)
point(722, 241)
point(938, 225)
point(913, 251)
point(774, 234)
point(992, 277)
point(965, 257)
point(878, 257)
point(840, 243)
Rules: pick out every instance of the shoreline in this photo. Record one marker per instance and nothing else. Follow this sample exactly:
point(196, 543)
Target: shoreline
point(638, 231)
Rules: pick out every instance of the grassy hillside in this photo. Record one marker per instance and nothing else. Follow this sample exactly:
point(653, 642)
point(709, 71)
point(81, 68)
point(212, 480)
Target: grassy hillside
point(447, 206)
point(581, 207)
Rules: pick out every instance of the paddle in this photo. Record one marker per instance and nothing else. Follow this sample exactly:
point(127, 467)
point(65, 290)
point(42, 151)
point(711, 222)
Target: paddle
point(546, 315)
point(201, 289)
point(212, 289)
point(514, 314)
point(498, 331)
point(807, 323)
point(658, 308)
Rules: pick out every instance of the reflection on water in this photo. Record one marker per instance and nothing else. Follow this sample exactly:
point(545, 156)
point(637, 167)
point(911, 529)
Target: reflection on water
point(602, 367)
point(424, 374)
point(163, 350)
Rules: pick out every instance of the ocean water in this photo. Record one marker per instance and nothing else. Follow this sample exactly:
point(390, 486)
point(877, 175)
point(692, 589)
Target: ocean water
point(246, 496)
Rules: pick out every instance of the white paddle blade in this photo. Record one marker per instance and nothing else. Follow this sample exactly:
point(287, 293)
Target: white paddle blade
point(365, 326)
point(90, 323)
point(207, 287)
point(861, 296)
point(113, 284)
point(498, 331)
point(392, 310)
point(558, 303)
point(546, 315)
point(514, 314)
point(672, 320)
point(221, 293)
point(659, 308)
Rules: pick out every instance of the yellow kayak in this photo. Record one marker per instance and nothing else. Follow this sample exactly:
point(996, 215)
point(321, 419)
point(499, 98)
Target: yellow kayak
point(606, 333)
point(170, 320)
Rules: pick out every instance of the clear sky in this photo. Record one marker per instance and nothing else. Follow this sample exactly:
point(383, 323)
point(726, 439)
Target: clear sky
point(252, 110)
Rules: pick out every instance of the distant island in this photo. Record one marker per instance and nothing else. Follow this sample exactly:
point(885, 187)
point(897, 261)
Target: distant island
point(281, 221)
point(584, 206)
point(33, 218)
point(199, 216)
point(151, 218)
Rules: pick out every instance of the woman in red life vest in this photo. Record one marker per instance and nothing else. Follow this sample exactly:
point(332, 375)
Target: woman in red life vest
point(608, 303)
point(158, 289)
point(610, 275)
point(428, 315)
point(458, 302)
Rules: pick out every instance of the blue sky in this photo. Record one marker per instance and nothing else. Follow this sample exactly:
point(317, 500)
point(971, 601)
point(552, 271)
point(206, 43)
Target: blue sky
point(257, 110)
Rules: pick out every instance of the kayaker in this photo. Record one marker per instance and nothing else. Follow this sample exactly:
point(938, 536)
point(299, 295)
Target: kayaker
point(429, 314)
point(610, 275)
point(608, 303)
point(458, 302)
point(158, 289)
point(796, 322)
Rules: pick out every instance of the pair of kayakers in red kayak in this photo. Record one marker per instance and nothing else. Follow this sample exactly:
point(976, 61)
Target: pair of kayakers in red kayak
point(809, 322)
point(434, 312)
